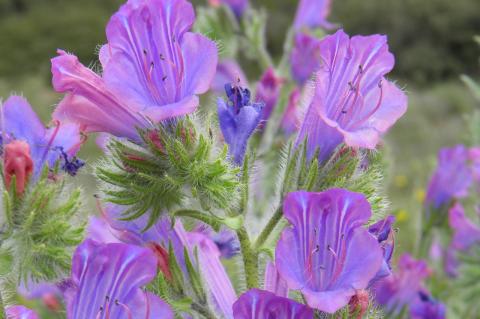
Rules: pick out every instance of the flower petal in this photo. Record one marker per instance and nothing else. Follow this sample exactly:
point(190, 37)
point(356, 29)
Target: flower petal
point(261, 304)
point(327, 254)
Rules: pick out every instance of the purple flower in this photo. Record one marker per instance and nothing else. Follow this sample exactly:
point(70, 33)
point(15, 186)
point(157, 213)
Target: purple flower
point(305, 58)
point(353, 102)
point(20, 312)
point(228, 71)
point(158, 237)
point(106, 283)
point(261, 304)
point(452, 178)
point(18, 122)
point(474, 156)
point(465, 233)
point(238, 119)
point(213, 272)
point(327, 254)
point(425, 307)
point(268, 92)
point(237, 6)
point(153, 70)
point(290, 120)
point(382, 230)
point(401, 288)
point(312, 14)
point(273, 282)
point(226, 240)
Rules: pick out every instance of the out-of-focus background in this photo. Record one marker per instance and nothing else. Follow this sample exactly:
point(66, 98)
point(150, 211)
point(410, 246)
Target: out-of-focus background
point(433, 41)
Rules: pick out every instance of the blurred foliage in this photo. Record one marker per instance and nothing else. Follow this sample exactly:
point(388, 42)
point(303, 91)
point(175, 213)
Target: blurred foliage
point(432, 39)
point(31, 31)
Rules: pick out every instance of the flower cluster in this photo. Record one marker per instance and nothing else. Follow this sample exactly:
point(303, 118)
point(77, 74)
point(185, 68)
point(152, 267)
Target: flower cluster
point(182, 226)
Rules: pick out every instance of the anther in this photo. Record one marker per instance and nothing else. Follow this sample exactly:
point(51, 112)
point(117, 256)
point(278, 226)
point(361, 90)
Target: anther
point(329, 248)
point(162, 57)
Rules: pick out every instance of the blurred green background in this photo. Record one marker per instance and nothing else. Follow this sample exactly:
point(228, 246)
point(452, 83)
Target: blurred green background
point(431, 39)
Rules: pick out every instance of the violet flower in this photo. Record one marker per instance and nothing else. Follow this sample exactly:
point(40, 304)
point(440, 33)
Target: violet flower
point(159, 237)
point(238, 119)
point(228, 71)
point(213, 272)
point(18, 122)
point(268, 92)
point(261, 304)
point(465, 234)
point(226, 240)
point(20, 312)
point(402, 287)
point(353, 102)
point(274, 282)
point(382, 230)
point(452, 178)
point(290, 121)
point(327, 254)
point(425, 307)
point(237, 6)
point(106, 283)
point(305, 58)
point(312, 14)
point(153, 70)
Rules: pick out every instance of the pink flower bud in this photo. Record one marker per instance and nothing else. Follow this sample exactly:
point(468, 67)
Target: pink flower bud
point(17, 162)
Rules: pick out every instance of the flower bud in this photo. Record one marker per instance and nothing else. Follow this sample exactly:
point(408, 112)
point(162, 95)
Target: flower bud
point(17, 162)
point(359, 304)
point(162, 259)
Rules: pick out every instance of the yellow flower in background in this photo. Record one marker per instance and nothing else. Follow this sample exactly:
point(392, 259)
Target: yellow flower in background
point(419, 195)
point(401, 215)
point(400, 181)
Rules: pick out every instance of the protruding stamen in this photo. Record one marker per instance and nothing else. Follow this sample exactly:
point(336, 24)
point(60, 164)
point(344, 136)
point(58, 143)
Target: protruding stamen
point(124, 307)
point(52, 139)
point(147, 303)
point(107, 307)
point(99, 313)
point(330, 249)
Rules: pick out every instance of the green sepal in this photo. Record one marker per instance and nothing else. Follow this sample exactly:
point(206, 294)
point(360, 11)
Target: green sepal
point(195, 279)
point(6, 262)
point(177, 274)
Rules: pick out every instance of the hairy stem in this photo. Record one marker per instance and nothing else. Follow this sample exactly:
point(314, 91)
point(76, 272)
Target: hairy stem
point(250, 258)
point(204, 311)
point(272, 223)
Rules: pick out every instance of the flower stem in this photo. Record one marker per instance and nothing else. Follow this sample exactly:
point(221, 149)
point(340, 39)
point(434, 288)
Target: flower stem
point(272, 223)
point(204, 311)
point(250, 258)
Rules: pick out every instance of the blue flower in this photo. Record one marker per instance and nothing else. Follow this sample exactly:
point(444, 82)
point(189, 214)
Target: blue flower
point(238, 119)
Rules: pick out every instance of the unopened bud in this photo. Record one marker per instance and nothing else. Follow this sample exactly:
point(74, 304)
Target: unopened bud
point(17, 162)
point(358, 304)
point(162, 259)
point(51, 302)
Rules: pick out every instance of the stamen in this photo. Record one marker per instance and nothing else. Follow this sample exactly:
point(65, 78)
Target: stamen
point(374, 110)
point(76, 147)
point(52, 139)
point(107, 307)
point(329, 248)
point(99, 313)
point(125, 307)
point(147, 312)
